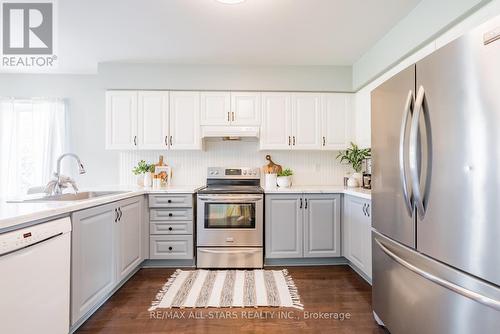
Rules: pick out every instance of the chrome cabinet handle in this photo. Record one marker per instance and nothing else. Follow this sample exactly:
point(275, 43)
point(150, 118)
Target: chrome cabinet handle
point(120, 214)
point(170, 248)
point(293, 140)
point(116, 215)
point(305, 207)
point(495, 304)
point(233, 116)
point(364, 209)
point(402, 169)
point(414, 161)
point(289, 141)
point(228, 116)
point(171, 141)
point(324, 141)
point(135, 140)
point(166, 140)
point(368, 210)
point(300, 207)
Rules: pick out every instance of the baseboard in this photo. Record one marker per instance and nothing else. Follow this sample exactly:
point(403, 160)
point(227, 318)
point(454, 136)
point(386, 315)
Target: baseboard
point(316, 261)
point(359, 272)
point(168, 264)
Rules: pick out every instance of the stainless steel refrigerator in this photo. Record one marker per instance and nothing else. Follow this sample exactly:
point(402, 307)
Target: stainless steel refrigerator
point(436, 190)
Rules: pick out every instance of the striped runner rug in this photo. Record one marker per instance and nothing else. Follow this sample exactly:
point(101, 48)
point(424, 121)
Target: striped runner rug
point(228, 288)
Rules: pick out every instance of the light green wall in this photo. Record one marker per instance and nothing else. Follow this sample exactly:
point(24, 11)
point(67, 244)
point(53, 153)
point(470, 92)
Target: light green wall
point(426, 21)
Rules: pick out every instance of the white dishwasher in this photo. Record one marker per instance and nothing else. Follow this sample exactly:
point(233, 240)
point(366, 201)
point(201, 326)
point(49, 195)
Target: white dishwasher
point(35, 278)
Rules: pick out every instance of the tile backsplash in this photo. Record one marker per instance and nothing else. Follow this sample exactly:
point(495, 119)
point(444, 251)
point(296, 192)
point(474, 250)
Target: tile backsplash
point(189, 167)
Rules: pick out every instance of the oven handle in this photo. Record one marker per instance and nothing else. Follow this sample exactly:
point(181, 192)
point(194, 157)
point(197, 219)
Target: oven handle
point(249, 251)
point(239, 199)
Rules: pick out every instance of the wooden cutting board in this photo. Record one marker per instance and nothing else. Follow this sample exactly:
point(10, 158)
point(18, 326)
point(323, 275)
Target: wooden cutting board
point(271, 167)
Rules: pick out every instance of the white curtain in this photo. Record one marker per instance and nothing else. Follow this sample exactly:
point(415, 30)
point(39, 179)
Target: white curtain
point(32, 136)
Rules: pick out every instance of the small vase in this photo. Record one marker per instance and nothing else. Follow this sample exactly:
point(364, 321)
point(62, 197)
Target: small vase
point(271, 180)
point(148, 179)
point(284, 181)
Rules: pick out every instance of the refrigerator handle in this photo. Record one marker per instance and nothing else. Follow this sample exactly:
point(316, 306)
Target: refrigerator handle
point(402, 135)
point(414, 161)
point(495, 304)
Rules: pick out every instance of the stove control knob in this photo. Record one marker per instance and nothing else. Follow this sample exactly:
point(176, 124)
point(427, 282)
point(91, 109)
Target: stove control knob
point(216, 172)
point(244, 172)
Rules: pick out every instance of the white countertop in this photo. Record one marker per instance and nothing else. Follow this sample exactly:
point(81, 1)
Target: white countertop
point(359, 192)
point(17, 215)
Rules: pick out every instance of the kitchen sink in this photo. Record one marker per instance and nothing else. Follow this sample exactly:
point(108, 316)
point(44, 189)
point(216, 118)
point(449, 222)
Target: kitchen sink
point(70, 197)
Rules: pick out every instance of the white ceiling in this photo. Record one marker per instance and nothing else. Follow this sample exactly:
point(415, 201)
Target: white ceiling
point(255, 32)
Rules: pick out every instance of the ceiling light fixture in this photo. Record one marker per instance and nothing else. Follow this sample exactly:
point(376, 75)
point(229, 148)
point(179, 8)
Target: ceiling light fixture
point(230, 2)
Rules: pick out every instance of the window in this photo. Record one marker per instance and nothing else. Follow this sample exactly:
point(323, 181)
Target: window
point(32, 136)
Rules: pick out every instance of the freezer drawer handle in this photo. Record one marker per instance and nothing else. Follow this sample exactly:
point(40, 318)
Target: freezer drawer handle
point(495, 304)
point(414, 159)
point(402, 135)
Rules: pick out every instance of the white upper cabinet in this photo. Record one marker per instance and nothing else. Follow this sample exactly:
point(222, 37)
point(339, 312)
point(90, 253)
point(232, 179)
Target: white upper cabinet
point(152, 120)
point(121, 120)
point(336, 121)
point(306, 121)
point(276, 124)
point(215, 108)
point(185, 121)
point(245, 108)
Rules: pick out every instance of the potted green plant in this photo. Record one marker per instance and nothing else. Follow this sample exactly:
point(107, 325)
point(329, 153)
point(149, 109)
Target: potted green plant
point(144, 171)
point(284, 178)
point(354, 156)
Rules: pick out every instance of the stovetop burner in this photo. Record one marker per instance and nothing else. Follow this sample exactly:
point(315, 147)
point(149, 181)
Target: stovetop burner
point(239, 180)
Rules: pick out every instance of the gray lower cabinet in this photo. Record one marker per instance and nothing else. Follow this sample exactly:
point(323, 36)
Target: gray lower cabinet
point(171, 227)
point(106, 247)
point(322, 226)
point(357, 233)
point(302, 225)
point(284, 230)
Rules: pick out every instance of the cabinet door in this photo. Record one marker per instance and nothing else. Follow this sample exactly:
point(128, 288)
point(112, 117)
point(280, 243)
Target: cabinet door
point(245, 108)
point(358, 229)
point(185, 121)
point(93, 258)
point(215, 108)
point(275, 133)
point(335, 121)
point(322, 225)
point(284, 231)
point(129, 236)
point(121, 120)
point(152, 120)
point(306, 121)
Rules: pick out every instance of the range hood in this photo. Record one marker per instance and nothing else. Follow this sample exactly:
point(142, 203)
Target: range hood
point(233, 132)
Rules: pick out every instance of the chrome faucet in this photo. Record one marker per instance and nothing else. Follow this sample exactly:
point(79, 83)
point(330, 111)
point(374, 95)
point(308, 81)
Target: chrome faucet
point(60, 182)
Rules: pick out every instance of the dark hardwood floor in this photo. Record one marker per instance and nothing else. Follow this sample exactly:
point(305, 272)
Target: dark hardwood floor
point(327, 289)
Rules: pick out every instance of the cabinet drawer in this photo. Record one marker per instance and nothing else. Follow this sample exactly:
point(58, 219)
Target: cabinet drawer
point(171, 247)
point(171, 214)
point(182, 227)
point(171, 201)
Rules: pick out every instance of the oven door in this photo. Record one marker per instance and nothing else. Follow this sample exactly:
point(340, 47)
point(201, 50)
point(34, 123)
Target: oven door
point(230, 220)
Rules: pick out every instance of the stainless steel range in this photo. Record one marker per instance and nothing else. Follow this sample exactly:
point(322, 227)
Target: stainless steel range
point(230, 223)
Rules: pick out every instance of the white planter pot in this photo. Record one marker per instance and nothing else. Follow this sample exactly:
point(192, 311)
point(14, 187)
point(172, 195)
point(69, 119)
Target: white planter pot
point(148, 179)
point(359, 178)
point(284, 181)
point(140, 180)
point(352, 182)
